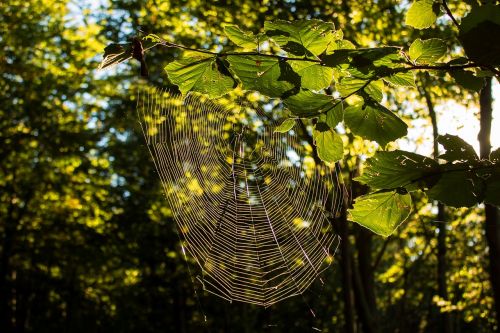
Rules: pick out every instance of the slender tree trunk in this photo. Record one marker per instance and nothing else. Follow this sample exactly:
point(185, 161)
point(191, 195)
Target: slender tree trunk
point(445, 322)
point(347, 272)
point(492, 226)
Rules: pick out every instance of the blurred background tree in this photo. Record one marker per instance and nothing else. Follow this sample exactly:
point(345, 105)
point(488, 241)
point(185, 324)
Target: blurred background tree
point(87, 242)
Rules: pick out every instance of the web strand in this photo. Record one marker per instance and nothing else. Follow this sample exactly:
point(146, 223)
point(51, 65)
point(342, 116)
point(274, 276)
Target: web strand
point(251, 206)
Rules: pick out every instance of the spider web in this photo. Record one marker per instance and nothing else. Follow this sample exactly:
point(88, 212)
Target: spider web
point(250, 204)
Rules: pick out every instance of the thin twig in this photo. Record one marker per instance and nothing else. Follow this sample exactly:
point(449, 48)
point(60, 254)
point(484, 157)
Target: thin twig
point(450, 14)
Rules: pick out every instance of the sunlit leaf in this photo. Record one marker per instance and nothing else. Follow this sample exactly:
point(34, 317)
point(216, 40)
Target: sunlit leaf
point(381, 212)
point(422, 13)
point(349, 85)
point(393, 169)
point(314, 76)
point(402, 79)
point(372, 121)
point(244, 39)
point(427, 51)
point(301, 37)
point(374, 90)
point(328, 143)
point(285, 126)
point(307, 103)
point(202, 73)
point(270, 76)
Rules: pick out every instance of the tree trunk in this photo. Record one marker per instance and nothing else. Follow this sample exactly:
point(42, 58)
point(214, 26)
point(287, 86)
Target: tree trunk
point(492, 227)
point(347, 273)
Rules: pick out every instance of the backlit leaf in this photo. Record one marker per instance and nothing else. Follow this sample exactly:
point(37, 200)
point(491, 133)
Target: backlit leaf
point(301, 37)
point(270, 76)
point(381, 212)
point(427, 51)
point(374, 122)
point(285, 126)
point(307, 103)
point(328, 143)
point(202, 73)
point(422, 13)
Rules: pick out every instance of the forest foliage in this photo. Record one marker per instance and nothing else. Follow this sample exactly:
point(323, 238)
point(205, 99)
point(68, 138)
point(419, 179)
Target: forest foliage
point(87, 242)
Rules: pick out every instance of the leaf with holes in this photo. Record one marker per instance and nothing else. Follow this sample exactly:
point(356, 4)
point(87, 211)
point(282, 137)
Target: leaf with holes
point(459, 188)
point(202, 73)
point(457, 150)
point(373, 121)
point(427, 51)
point(328, 143)
point(303, 37)
point(285, 126)
point(271, 76)
point(381, 212)
point(422, 13)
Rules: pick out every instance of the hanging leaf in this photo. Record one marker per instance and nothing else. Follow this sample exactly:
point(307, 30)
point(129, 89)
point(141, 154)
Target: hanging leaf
point(381, 212)
point(328, 143)
point(303, 37)
point(394, 169)
point(372, 121)
point(202, 73)
point(285, 126)
point(427, 51)
point(349, 85)
point(422, 14)
point(479, 32)
point(271, 76)
point(314, 76)
point(308, 104)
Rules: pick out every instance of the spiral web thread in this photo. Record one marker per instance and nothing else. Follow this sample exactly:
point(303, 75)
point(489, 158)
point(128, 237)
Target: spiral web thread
point(251, 210)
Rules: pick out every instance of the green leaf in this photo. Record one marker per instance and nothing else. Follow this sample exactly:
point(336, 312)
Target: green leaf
point(479, 32)
point(285, 126)
point(202, 73)
point(467, 79)
point(394, 169)
point(328, 143)
point(301, 37)
point(270, 76)
point(366, 63)
point(374, 90)
point(314, 76)
point(308, 104)
point(457, 150)
point(427, 51)
point(115, 54)
point(403, 79)
point(422, 14)
point(372, 121)
point(335, 115)
point(244, 39)
point(456, 189)
point(349, 85)
point(381, 212)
